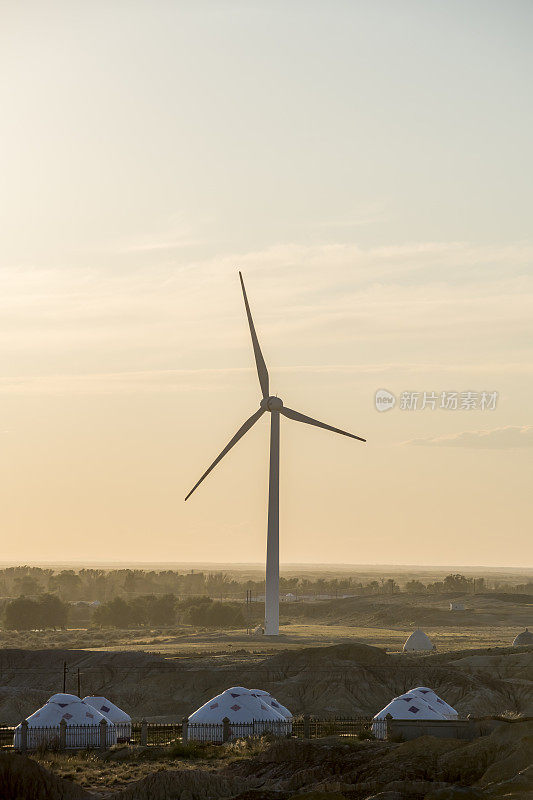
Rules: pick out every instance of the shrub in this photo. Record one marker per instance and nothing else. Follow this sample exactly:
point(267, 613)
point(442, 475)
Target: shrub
point(195, 750)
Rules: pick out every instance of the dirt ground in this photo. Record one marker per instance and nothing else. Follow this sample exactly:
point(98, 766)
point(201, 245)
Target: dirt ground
point(346, 679)
point(489, 620)
point(336, 658)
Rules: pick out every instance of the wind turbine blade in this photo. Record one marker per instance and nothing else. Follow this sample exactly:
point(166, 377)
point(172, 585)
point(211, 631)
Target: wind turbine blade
point(240, 433)
point(259, 360)
point(288, 412)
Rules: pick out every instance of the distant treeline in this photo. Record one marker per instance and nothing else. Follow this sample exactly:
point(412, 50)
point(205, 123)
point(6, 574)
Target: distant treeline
point(48, 611)
point(151, 611)
point(106, 585)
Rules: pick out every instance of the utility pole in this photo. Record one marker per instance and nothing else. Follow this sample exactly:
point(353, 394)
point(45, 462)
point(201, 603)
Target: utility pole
point(65, 670)
point(79, 684)
point(248, 602)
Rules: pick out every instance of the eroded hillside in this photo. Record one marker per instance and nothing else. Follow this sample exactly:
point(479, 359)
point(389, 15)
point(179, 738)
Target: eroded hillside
point(346, 679)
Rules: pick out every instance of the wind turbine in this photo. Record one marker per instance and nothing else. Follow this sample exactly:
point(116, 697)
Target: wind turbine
point(275, 406)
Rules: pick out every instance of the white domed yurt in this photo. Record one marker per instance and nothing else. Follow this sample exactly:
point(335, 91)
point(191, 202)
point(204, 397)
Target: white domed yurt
point(248, 716)
point(418, 641)
point(272, 702)
point(524, 638)
point(121, 720)
point(434, 700)
point(407, 706)
point(82, 720)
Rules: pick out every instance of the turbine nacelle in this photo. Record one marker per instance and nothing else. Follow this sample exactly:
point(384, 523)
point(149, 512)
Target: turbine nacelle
point(271, 404)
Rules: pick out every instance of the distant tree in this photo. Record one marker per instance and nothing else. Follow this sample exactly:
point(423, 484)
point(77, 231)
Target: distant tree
point(115, 614)
point(47, 611)
point(456, 583)
point(415, 587)
point(211, 614)
point(285, 584)
point(216, 584)
point(68, 583)
point(47, 576)
point(20, 614)
point(154, 611)
point(52, 612)
point(522, 588)
point(144, 610)
point(194, 583)
point(93, 584)
point(162, 610)
point(27, 584)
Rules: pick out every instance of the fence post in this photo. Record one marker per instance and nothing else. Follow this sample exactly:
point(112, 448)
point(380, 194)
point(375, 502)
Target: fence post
point(307, 726)
point(184, 729)
point(225, 730)
point(24, 735)
point(388, 732)
point(144, 733)
point(103, 734)
point(63, 734)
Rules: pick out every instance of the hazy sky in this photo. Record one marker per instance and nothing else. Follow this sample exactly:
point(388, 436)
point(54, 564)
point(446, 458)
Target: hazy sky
point(368, 166)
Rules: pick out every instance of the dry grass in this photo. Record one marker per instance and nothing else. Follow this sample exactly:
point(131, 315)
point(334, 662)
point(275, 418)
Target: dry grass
point(119, 767)
point(94, 773)
point(293, 635)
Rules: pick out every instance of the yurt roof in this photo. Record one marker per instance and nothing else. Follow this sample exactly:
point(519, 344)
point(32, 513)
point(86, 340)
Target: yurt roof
point(526, 637)
point(109, 709)
point(431, 697)
point(63, 698)
point(275, 704)
point(418, 640)
point(409, 706)
point(76, 712)
point(238, 705)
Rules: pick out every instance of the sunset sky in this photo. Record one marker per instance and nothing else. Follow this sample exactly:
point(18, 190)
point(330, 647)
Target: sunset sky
point(368, 167)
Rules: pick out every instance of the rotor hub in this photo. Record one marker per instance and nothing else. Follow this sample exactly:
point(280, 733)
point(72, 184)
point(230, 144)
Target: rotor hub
point(272, 403)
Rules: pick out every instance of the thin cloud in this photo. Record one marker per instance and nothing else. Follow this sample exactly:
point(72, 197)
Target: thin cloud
point(497, 439)
point(165, 244)
point(307, 299)
point(208, 378)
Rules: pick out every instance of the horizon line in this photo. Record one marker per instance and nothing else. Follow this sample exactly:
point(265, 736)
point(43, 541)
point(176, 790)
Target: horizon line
point(255, 564)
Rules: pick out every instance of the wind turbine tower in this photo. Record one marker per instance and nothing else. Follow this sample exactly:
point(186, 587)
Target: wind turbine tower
point(275, 406)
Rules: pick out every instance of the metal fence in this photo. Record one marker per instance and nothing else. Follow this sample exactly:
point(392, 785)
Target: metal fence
point(81, 736)
point(230, 731)
point(6, 736)
point(62, 736)
point(311, 728)
point(161, 734)
point(153, 733)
